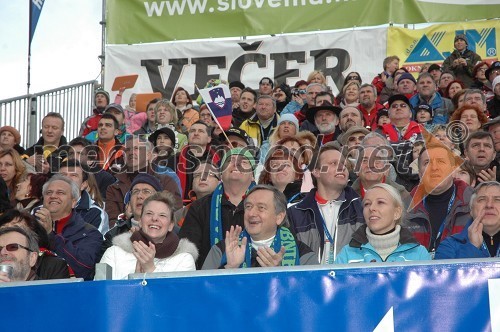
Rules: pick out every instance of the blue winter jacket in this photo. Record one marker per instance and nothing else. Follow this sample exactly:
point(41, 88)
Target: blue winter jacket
point(79, 244)
point(359, 250)
point(441, 107)
point(459, 246)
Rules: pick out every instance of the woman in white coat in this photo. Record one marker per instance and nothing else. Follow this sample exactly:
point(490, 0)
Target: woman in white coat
point(154, 247)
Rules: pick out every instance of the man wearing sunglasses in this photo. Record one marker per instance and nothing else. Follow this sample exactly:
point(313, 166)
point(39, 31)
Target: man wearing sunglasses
point(18, 249)
point(401, 128)
point(208, 218)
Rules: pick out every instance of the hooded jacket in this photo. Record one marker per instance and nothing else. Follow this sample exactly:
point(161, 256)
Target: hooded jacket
point(123, 262)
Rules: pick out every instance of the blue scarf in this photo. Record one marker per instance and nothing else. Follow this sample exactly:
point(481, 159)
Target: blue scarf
point(216, 232)
point(283, 238)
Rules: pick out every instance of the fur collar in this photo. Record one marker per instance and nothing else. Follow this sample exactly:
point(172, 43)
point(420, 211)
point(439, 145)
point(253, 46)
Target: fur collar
point(185, 246)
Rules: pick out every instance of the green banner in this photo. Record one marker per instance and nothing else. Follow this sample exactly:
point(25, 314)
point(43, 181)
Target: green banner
point(134, 21)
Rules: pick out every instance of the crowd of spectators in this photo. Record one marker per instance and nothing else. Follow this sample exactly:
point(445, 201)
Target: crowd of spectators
point(403, 168)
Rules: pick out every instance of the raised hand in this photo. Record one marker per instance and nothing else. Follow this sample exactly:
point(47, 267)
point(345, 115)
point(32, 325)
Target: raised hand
point(489, 174)
point(475, 231)
point(235, 253)
point(145, 255)
point(44, 218)
point(266, 257)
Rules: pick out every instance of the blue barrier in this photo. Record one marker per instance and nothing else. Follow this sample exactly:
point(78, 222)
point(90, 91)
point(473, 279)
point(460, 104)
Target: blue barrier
point(445, 296)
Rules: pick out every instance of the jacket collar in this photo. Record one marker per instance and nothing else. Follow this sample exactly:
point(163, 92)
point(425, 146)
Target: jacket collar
point(359, 237)
point(85, 201)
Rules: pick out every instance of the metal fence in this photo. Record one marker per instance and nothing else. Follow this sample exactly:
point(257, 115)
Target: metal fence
point(25, 113)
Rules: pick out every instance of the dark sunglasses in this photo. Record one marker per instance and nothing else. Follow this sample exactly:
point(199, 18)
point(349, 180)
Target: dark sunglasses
point(14, 247)
point(351, 78)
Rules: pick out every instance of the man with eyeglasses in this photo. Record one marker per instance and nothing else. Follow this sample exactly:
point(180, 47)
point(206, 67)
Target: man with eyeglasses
point(19, 250)
point(210, 217)
point(143, 186)
point(70, 237)
point(138, 157)
point(475, 97)
point(401, 128)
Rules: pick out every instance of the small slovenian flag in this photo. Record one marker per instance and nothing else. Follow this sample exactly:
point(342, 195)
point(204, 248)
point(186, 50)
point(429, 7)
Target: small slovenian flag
point(218, 100)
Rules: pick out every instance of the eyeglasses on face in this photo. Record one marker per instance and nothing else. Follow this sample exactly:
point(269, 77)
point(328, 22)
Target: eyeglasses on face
point(356, 138)
point(146, 192)
point(14, 247)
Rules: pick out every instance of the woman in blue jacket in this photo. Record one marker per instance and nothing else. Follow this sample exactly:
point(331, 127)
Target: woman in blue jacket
point(382, 239)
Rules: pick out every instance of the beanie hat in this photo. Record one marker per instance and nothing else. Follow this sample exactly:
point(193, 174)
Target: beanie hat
point(425, 107)
point(433, 67)
point(496, 81)
point(290, 118)
point(286, 89)
point(102, 92)
point(148, 179)
point(13, 131)
point(407, 76)
point(165, 130)
point(494, 65)
point(236, 84)
point(142, 178)
point(117, 107)
point(461, 36)
point(267, 80)
point(399, 97)
point(382, 112)
point(245, 152)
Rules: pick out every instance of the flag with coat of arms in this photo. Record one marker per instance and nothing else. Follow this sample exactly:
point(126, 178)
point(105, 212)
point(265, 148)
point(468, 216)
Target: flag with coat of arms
point(218, 100)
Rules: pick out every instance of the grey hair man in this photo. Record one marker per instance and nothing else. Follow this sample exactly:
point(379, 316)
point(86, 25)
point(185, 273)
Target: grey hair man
point(266, 240)
point(19, 250)
point(70, 237)
point(481, 236)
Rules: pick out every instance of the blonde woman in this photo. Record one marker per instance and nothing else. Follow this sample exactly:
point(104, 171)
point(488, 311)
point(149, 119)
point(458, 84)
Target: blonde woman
point(382, 238)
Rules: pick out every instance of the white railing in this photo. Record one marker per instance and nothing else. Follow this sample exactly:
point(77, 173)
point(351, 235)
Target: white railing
point(25, 113)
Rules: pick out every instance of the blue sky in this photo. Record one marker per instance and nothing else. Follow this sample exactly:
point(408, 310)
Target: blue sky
point(64, 50)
